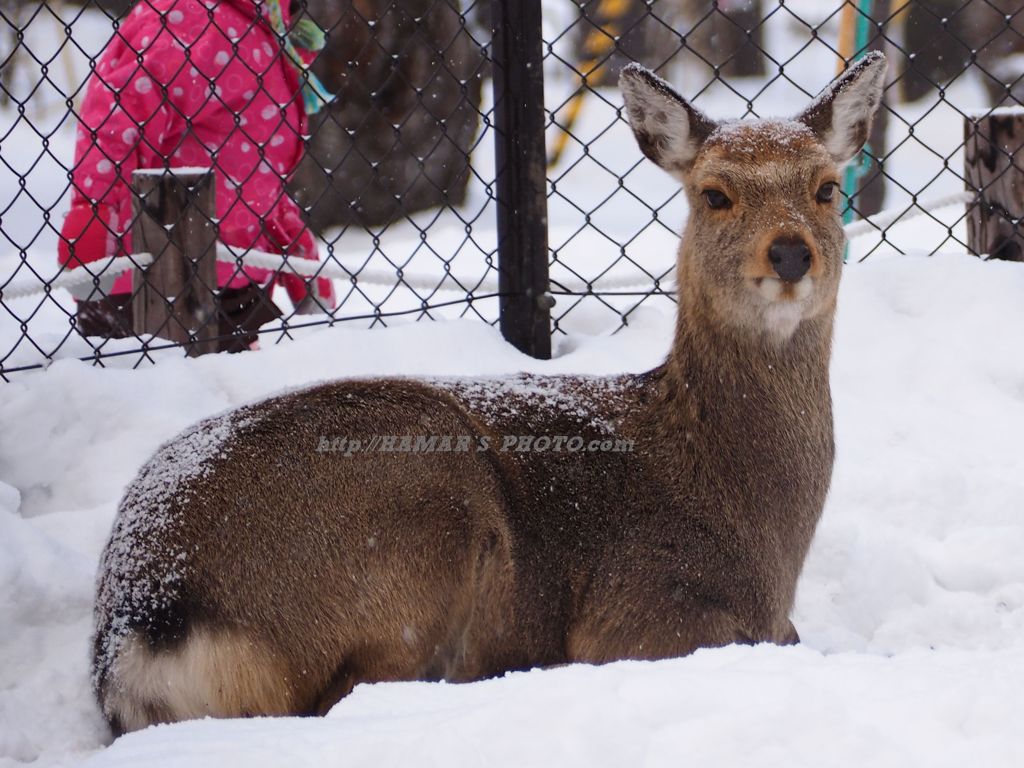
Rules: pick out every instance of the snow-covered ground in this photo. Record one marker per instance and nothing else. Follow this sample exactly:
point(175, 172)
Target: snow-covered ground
point(911, 606)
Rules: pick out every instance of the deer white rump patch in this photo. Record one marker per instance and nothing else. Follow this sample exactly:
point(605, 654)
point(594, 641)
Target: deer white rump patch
point(211, 674)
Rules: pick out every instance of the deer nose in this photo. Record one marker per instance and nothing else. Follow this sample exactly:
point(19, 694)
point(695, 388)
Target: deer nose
point(790, 258)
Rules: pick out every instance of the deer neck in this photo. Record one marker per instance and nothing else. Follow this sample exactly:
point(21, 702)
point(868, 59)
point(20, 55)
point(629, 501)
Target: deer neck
point(750, 421)
point(730, 362)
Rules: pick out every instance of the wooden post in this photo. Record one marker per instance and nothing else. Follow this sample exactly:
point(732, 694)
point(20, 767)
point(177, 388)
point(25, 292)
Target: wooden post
point(994, 168)
point(175, 297)
point(521, 176)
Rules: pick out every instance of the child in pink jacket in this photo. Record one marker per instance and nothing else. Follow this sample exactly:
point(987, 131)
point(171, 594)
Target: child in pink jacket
point(196, 83)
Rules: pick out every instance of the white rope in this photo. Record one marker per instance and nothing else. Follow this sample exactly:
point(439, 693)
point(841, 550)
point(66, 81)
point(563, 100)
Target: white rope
point(330, 270)
point(69, 278)
point(333, 271)
point(886, 219)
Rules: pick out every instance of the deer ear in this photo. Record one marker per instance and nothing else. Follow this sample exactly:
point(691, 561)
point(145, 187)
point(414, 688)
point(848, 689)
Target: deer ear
point(841, 115)
point(668, 129)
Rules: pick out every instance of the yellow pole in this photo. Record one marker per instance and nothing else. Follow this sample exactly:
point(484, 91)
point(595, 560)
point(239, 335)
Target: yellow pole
point(898, 8)
point(898, 13)
point(847, 34)
point(599, 44)
point(572, 112)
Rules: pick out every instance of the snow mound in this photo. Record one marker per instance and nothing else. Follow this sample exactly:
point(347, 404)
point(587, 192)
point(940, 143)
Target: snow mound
point(730, 707)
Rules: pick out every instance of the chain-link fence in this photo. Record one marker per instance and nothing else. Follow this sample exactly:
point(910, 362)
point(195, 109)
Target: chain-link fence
point(362, 173)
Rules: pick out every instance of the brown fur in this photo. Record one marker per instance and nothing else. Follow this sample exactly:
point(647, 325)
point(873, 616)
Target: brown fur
point(250, 573)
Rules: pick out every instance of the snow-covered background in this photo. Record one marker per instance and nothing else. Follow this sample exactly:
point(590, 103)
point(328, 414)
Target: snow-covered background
point(599, 231)
point(911, 606)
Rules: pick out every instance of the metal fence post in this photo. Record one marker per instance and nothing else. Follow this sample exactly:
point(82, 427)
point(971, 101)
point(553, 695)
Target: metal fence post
point(521, 176)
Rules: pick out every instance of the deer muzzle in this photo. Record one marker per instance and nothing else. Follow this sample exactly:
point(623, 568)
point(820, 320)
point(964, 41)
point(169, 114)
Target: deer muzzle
point(790, 258)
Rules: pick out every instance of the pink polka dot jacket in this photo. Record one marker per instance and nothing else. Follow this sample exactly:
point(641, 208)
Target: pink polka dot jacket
point(198, 83)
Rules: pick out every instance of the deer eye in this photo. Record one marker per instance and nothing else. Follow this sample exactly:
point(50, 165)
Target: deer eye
point(716, 199)
point(826, 192)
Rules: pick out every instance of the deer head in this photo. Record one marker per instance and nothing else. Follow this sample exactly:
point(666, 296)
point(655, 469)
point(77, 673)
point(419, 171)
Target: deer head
point(763, 245)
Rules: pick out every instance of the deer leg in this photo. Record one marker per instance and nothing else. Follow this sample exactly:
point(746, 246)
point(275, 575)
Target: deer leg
point(339, 686)
point(655, 634)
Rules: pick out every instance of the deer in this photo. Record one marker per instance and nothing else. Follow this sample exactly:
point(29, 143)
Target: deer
point(269, 559)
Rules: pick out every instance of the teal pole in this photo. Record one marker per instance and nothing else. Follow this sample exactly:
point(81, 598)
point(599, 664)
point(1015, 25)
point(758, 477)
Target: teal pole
point(857, 168)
